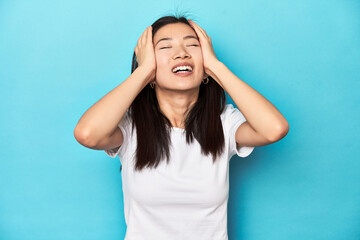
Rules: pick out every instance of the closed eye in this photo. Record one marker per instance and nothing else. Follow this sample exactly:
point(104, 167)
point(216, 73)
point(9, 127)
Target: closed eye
point(189, 45)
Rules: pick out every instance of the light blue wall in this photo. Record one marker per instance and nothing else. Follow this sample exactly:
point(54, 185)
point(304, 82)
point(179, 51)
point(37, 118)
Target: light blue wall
point(57, 58)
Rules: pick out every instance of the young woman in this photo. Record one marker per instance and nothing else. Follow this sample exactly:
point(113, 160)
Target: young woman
point(174, 134)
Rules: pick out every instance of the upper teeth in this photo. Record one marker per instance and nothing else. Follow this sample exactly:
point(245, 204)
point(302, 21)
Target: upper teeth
point(182, 68)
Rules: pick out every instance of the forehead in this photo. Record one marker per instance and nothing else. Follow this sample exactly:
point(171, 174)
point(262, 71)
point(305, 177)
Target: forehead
point(174, 30)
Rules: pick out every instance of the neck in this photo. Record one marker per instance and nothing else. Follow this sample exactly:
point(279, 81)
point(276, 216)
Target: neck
point(175, 105)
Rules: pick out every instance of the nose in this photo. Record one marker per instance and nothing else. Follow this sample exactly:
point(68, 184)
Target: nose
point(181, 52)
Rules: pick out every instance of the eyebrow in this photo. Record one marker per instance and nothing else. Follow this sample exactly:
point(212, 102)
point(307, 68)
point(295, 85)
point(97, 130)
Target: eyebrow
point(186, 37)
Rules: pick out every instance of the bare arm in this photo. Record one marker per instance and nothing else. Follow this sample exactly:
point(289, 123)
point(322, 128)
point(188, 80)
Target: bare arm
point(100, 120)
point(98, 127)
point(262, 115)
point(265, 122)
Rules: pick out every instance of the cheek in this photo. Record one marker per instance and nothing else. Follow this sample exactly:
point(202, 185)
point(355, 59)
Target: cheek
point(161, 61)
point(162, 66)
point(199, 54)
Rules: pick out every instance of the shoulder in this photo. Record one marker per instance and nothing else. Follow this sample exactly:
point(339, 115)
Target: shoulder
point(231, 113)
point(126, 120)
point(231, 118)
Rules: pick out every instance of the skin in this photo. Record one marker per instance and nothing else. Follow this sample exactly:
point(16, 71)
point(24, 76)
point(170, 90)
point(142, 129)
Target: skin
point(176, 94)
point(264, 125)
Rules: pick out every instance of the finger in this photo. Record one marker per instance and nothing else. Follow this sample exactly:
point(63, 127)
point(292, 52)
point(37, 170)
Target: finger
point(200, 35)
point(201, 30)
point(140, 41)
point(197, 27)
point(144, 37)
point(149, 39)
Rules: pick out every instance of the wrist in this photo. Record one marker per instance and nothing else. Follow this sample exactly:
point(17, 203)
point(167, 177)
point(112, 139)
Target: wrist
point(147, 73)
point(213, 70)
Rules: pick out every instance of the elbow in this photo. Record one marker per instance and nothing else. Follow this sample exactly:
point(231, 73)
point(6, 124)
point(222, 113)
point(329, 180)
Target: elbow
point(83, 137)
point(280, 132)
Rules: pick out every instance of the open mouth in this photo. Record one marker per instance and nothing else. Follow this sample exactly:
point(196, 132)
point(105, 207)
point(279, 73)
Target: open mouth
point(182, 70)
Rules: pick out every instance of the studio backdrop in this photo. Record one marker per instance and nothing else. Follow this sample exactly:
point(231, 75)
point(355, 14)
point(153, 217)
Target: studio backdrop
point(57, 58)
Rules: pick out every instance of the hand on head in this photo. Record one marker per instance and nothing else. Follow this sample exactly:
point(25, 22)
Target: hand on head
point(207, 49)
point(145, 53)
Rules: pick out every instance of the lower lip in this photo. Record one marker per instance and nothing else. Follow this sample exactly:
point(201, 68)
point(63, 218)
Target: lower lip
point(183, 73)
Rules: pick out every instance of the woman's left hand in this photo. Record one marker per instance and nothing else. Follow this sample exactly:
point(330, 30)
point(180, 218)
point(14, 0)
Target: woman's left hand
point(208, 53)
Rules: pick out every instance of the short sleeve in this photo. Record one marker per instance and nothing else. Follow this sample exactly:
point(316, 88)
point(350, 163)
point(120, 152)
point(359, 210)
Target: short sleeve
point(124, 125)
point(233, 118)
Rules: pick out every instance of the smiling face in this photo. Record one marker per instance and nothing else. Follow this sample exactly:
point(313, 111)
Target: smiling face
point(180, 45)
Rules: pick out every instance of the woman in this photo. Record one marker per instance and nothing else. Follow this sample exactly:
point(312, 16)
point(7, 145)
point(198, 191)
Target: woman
point(172, 107)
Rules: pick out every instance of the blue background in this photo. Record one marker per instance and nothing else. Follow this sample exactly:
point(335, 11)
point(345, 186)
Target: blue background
point(57, 58)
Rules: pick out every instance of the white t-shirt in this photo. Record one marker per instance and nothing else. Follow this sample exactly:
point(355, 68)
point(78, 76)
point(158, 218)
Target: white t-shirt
point(185, 199)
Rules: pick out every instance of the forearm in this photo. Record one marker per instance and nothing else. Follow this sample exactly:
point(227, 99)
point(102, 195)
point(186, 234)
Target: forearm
point(261, 114)
point(102, 118)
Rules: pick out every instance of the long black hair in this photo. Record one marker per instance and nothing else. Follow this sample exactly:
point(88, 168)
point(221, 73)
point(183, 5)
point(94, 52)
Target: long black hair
point(153, 128)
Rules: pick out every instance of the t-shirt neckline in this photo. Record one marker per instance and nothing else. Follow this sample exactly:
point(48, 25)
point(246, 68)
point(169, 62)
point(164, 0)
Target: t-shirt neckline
point(176, 129)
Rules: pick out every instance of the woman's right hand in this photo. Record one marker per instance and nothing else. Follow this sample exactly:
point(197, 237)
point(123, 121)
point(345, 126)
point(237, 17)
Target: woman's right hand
point(145, 53)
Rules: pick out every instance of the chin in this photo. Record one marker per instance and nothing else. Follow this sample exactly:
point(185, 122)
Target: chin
point(182, 87)
point(188, 87)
